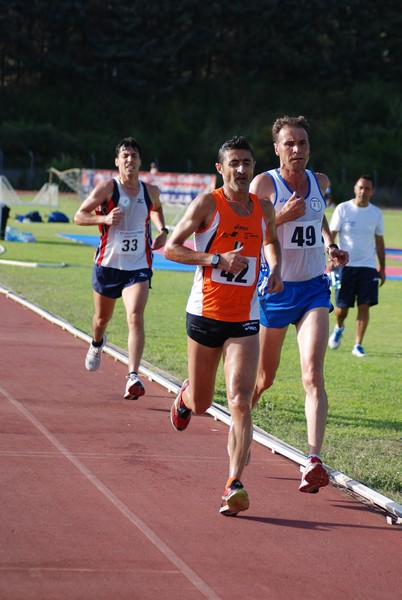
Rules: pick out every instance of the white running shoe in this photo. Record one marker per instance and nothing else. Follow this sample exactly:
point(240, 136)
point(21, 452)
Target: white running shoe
point(94, 356)
point(315, 476)
point(335, 340)
point(134, 387)
point(358, 351)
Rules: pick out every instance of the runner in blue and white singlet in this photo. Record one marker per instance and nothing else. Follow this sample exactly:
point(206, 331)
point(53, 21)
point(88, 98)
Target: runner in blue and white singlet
point(305, 284)
point(301, 240)
point(297, 196)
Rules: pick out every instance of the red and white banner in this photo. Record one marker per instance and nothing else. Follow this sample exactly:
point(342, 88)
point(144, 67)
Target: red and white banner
point(176, 188)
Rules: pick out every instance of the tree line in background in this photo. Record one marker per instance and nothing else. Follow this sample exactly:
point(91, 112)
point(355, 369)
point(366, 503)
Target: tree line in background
point(184, 75)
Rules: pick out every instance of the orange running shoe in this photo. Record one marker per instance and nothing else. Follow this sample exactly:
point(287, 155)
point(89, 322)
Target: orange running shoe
point(180, 416)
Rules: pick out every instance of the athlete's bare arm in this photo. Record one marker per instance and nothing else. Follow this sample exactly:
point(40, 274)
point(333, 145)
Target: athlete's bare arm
point(338, 257)
point(323, 182)
point(263, 187)
point(198, 216)
point(157, 216)
point(380, 249)
point(101, 193)
point(272, 249)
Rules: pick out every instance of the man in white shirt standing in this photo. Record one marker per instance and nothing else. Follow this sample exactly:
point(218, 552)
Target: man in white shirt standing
point(360, 225)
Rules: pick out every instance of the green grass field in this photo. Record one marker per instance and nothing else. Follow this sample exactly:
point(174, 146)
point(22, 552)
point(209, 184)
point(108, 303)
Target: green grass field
point(364, 432)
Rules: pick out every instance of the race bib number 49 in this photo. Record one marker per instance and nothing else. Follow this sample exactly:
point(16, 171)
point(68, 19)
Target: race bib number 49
point(245, 277)
point(302, 234)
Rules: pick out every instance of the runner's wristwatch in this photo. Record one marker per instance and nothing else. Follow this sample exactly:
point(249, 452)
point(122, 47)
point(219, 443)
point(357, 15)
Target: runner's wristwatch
point(215, 260)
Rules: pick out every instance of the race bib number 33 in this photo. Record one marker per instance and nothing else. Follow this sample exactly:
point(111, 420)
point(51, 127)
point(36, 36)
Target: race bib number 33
point(129, 242)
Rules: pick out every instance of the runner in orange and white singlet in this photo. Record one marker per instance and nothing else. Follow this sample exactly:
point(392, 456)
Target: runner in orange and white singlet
point(218, 294)
point(231, 228)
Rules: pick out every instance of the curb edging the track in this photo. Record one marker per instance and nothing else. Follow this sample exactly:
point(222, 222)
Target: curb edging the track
point(218, 412)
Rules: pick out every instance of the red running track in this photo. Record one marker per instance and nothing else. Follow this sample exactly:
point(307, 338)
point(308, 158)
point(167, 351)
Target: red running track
point(102, 499)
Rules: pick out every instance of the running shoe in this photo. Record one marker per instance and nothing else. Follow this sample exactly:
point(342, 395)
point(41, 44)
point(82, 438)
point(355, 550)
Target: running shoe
point(335, 340)
point(134, 387)
point(94, 356)
point(180, 415)
point(358, 351)
point(234, 499)
point(314, 477)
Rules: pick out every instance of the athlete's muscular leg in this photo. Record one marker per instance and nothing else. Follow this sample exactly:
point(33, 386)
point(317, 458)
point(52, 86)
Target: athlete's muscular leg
point(271, 342)
point(203, 363)
point(240, 365)
point(135, 298)
point(104, 307)
point(312, 337)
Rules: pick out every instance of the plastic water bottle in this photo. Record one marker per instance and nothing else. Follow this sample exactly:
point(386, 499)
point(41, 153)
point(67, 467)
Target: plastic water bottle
point(335, 275)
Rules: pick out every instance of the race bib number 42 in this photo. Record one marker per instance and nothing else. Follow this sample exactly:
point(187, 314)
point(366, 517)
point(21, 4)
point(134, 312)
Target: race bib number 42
point(302, 234)
point(245, 277)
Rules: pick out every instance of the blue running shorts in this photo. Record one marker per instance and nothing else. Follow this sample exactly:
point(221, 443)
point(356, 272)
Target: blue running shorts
point(111, 282)
point(297, 298)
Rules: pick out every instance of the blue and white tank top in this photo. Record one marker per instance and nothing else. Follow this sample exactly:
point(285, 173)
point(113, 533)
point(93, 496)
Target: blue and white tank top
point(303, 251)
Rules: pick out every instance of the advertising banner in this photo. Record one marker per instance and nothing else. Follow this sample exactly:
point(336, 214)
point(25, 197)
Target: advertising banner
point(175, 188)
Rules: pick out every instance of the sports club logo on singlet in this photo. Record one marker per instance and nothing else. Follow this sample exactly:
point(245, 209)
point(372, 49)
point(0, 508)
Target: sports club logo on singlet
point(316, 204)
point(232, 234)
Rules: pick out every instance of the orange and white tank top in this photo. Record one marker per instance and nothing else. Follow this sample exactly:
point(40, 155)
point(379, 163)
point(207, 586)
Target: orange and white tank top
point(217, 294)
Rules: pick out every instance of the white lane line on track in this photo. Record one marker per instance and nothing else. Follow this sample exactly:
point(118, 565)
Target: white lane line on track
point(192, 577)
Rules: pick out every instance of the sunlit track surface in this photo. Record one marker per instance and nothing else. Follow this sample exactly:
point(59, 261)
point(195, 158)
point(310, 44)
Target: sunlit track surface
point(101, 498)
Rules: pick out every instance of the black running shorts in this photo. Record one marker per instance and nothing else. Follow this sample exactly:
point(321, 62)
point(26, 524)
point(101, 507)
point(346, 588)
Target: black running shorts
point(214, 334)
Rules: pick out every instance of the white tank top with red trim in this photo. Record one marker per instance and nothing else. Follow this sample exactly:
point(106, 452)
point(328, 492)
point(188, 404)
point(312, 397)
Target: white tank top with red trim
point(128, 245)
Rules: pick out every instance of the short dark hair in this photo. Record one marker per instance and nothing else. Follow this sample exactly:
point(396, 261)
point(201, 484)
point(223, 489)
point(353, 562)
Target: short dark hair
point(128, 142)
point(368, 177)
point(238, 142)
point(287, 121)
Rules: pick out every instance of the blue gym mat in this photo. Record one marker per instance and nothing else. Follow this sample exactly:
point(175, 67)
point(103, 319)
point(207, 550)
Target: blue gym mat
point(159, 262)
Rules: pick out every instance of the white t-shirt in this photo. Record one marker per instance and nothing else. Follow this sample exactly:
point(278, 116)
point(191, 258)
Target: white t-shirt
point(357, 227)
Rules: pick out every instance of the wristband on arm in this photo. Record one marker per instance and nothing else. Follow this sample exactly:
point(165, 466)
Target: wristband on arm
point(331, 246)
